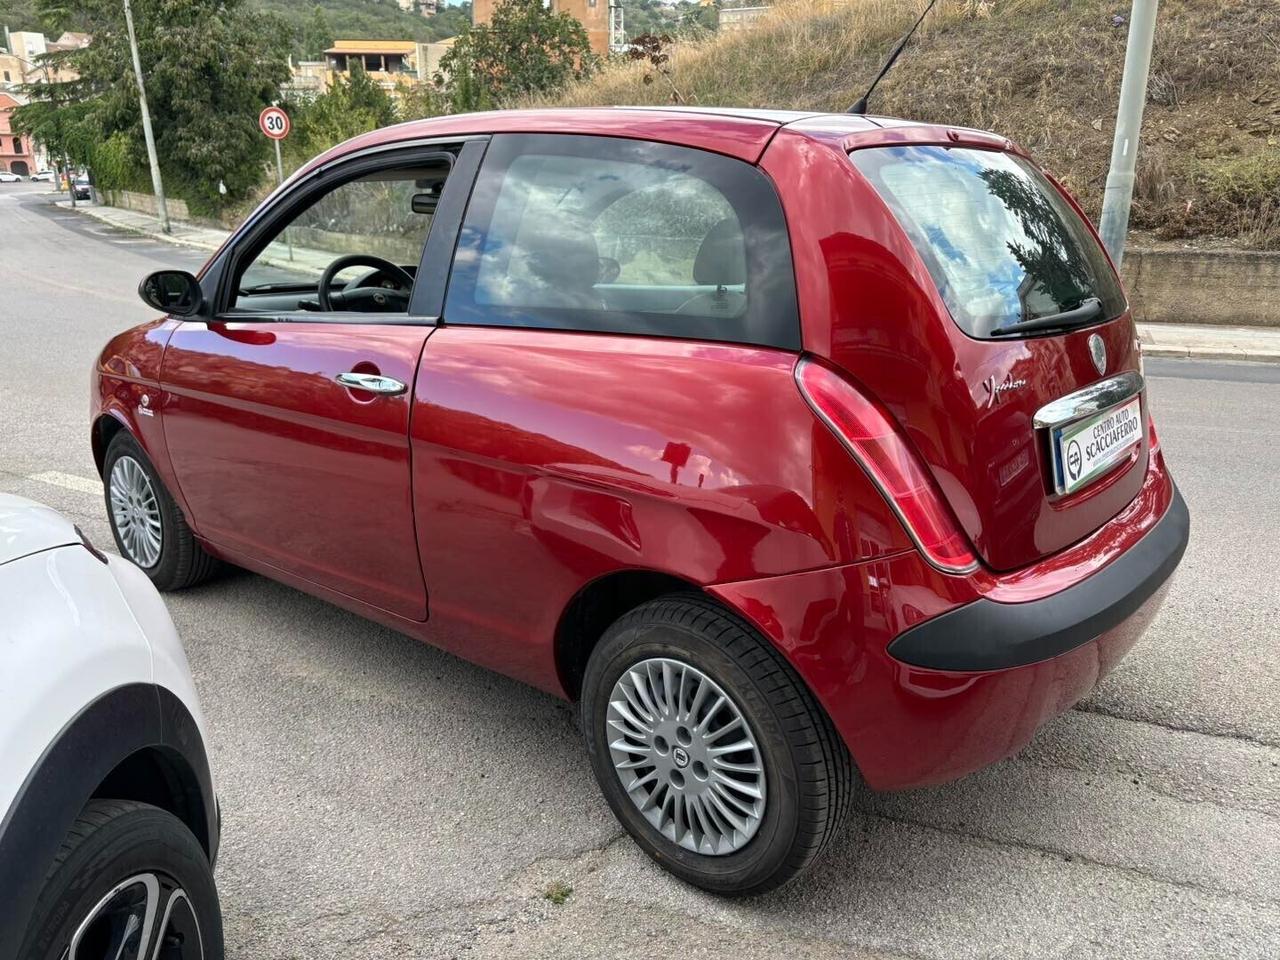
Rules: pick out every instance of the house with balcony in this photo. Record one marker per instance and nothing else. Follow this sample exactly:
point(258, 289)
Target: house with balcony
point(389, 63)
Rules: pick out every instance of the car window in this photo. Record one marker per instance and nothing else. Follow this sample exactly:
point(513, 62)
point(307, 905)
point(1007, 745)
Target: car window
point(1000, 242)
point(386, 214)
point(593, 233)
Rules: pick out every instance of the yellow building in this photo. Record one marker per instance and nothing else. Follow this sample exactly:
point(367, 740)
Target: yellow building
point(388, 62)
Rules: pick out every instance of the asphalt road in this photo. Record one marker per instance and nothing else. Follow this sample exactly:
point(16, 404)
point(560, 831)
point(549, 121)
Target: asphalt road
point(382, 799)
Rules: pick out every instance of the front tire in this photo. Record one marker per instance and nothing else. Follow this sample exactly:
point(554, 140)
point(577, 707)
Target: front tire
point(709, 748)
point(120, 864)
point(149, 529)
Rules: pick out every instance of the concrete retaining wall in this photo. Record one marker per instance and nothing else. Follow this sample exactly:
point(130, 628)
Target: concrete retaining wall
point(146, 203)
point(1203, 286)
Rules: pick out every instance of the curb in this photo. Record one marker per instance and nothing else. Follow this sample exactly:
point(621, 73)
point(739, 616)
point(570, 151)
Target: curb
point(1209, 353)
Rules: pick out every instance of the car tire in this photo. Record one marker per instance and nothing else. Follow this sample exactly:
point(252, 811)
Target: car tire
point(808, 776)
point(178, 560)
point(111, 843)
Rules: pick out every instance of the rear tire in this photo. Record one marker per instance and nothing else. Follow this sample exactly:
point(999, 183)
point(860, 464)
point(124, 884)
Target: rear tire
point(113, 842)
point(808, 775)
point(138, 501)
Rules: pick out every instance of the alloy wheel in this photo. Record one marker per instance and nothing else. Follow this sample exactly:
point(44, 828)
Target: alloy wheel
point(147, 917)
point(136, 512)
point(686, 756)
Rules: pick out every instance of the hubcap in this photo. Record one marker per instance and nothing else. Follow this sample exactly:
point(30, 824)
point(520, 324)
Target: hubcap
point(147, 917)
point(686, 756)
point(135, 512)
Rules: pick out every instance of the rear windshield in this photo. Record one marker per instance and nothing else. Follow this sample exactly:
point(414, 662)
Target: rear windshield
point(1001, 244)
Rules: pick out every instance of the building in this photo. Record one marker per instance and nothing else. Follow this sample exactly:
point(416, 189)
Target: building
point(430, 55)
point(12, 70)
point(593, 14)
point(307, 79)
point(389, 63)
point(20, 61)
point(732, 19)
point(425, 8)
point(17, 153)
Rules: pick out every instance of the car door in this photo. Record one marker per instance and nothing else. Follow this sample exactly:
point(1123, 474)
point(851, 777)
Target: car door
point(619, 322)
point(287, 419)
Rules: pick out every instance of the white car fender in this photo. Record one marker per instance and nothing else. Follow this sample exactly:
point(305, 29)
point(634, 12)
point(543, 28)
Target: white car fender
point(67, 636)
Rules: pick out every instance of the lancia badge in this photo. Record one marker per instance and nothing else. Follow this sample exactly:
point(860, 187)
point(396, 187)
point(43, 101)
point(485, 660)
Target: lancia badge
point(1098, 350)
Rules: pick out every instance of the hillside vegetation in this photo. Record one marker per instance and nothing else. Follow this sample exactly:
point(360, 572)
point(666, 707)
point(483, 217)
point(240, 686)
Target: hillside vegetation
point(1044, 72)
point(349, 19)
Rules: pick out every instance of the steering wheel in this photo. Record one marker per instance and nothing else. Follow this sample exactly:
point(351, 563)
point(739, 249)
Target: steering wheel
point(355, 297)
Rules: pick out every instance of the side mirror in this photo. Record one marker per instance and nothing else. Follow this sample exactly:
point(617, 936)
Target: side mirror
point(175, 292)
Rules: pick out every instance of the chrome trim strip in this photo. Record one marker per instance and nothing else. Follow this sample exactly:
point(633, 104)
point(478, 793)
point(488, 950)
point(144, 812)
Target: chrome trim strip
point(1092, 399)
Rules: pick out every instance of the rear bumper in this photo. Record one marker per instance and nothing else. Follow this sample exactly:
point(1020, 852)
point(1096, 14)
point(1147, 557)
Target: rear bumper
point(989, 635)
point(929, 677)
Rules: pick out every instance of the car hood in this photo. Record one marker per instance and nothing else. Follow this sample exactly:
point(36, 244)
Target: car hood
point(27, 527)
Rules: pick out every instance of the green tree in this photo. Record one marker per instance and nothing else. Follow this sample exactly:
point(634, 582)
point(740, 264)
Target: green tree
point(349, 107)
point(317, 35)
point(210, 67)
point(526, 49)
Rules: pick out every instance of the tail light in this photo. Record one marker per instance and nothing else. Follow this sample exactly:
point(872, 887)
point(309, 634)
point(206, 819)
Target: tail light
point(1153, 440)
point(871, 438)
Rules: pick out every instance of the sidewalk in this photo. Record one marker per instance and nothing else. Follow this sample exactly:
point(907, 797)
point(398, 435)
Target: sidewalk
point(184, 234)
point(1158, 339)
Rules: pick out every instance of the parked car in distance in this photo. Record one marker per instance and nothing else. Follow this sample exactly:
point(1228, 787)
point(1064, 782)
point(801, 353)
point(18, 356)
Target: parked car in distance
point(108, 822)
point(7, 177)
point(795, 448)
point(84, 191)
point(42, 176)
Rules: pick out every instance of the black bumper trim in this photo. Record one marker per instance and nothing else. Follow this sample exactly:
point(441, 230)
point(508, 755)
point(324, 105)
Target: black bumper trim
point(986, 635)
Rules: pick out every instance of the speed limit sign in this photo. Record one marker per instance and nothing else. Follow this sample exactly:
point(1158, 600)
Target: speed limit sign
point(274, 123)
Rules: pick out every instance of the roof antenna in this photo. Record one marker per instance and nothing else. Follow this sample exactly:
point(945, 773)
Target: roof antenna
point(861, 106)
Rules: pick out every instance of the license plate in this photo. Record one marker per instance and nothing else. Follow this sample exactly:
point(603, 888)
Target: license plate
point(1086, 449)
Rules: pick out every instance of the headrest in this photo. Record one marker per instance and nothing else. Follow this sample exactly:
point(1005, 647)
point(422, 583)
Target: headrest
point(560, 255)
point(722, 258)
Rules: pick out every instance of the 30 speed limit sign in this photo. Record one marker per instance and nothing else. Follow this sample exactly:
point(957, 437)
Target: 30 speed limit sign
point(274, 123)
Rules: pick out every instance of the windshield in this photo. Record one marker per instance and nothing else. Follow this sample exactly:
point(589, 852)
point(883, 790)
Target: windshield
point(1000, 242)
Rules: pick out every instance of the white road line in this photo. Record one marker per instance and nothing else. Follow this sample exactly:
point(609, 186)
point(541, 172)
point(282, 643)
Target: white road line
point(68, 481)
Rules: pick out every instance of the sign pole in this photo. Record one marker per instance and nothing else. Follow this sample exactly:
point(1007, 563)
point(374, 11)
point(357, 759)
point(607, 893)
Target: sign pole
point(280, 177)
point(275, 125)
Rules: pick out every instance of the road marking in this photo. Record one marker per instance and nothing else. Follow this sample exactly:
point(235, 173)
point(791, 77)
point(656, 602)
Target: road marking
point(68, 481)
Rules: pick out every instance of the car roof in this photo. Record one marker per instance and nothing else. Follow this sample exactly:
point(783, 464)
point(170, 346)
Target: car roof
point(741, 132)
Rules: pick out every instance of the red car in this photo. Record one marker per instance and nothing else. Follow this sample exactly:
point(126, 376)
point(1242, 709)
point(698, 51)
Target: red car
point(796, 447)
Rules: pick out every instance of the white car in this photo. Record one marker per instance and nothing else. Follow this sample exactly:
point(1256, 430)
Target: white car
point(7, 177)
point(43, 175)
point(109, 825)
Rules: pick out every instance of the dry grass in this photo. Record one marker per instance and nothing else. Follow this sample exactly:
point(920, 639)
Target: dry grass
point(1044, 72)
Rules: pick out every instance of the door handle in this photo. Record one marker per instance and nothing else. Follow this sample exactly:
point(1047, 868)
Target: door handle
point(371, 383)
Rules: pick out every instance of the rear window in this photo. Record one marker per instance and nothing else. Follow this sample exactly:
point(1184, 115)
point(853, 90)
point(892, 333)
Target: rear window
point(1001, 243)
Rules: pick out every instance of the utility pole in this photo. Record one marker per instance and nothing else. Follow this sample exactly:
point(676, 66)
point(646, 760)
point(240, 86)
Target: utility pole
point(1124, 151)
point(152, 159)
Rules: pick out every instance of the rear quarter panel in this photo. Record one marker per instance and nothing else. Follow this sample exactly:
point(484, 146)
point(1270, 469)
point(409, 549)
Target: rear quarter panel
point(544, 460)
point(867, 303)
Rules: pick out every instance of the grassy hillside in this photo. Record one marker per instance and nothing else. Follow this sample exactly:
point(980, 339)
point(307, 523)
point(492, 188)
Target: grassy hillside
point(354, 19)
point(1043, 72)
